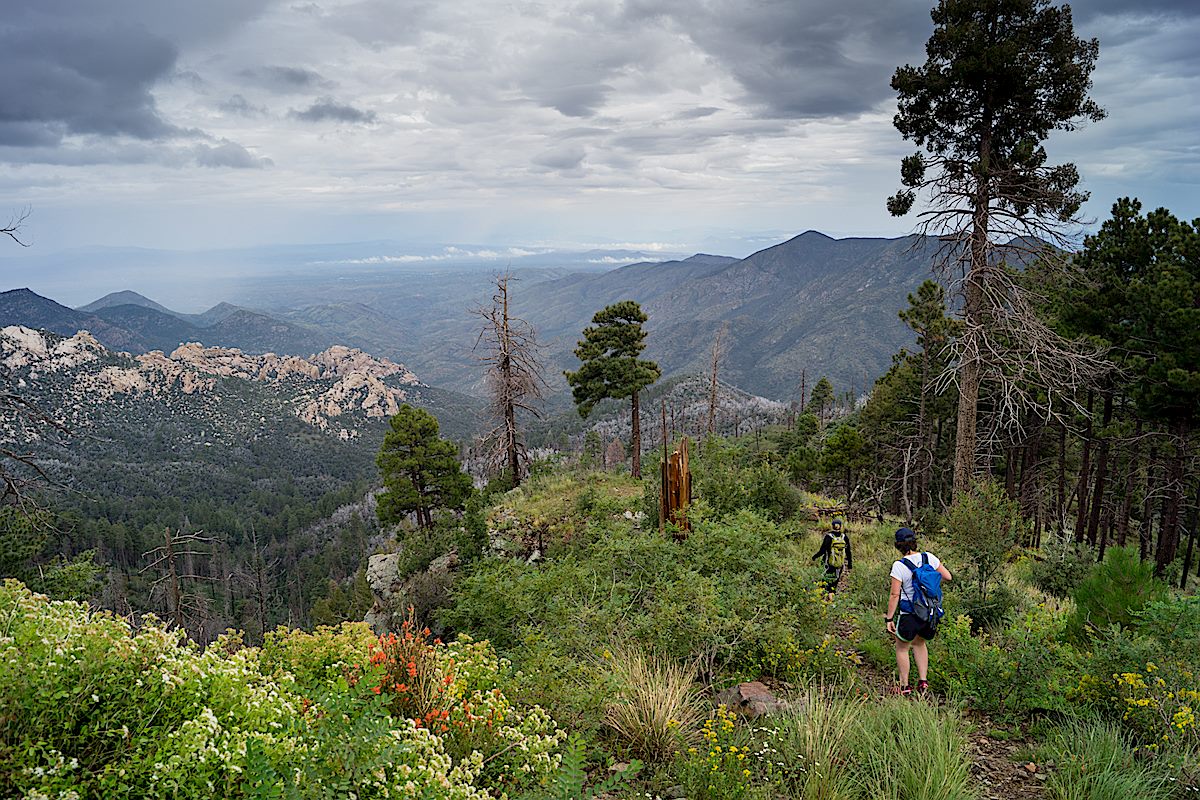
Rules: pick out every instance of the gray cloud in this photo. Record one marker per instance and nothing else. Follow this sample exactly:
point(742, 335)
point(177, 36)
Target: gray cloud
point(697, 113)
point(240, 106)
point(132, 153)
point(381, 23)
point(180, 21)
point(654, 112)
point(229, 154)
point(326, 108)
point(1089, 9)
point(86, 71)
point(61, 82)
point(567, 157)
point(286, 80)
point(820, 58)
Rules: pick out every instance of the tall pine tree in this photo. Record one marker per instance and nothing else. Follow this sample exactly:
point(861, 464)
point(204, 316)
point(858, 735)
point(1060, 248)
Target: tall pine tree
point(1000, 76)
point(610, 367)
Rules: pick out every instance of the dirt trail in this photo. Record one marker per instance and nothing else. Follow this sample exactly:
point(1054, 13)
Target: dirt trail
point(999, 775)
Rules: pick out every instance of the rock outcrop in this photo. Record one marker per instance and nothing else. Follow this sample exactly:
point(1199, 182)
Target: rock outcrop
point(25, 347)
point(325, 390)
point(394, 593)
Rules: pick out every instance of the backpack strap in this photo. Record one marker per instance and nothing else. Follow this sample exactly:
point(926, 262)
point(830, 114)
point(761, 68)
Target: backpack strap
point(924, 559)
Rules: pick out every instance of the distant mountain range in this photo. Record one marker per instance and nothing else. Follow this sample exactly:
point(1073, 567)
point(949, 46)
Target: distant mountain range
point(132, 323)
point(821, 305)
point(812, 304)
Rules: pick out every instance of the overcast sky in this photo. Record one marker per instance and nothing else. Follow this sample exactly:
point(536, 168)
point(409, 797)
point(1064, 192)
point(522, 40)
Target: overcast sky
point(679, 124)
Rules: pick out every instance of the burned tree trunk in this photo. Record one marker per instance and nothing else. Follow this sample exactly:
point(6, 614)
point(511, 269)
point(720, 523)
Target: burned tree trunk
point(514, 378)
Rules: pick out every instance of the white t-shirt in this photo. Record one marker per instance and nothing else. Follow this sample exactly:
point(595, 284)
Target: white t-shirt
point(901, 573)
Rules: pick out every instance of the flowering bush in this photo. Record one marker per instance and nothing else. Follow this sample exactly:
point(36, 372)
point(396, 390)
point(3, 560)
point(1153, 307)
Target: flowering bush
point(456, 691)
point(319, 658)
point(91, 708)
point(787, 659)
point(1159, 701)
point(722, 765)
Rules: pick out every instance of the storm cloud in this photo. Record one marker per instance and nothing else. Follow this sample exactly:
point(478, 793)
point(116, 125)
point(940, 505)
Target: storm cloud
point(285, 80)
point(75, 81)
point(635, 117)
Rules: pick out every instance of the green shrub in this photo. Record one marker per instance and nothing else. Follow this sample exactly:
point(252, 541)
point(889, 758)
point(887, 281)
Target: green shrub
point(986, 612)
point(1020, 670)
point(771, 493)
point(927, 521)
point(1062, 566)
point(984, 525)
point(721, 599)
point(1115, 591)
point(1092, 761)
point(1174, 619)
point(727, 485)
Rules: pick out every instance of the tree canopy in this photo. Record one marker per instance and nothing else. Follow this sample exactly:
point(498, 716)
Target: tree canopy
point(999, 77)
point(610, 367)
point(420, 470)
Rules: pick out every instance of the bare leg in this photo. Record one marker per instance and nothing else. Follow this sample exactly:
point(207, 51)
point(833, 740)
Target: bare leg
point(920, 651)
point(902, 660)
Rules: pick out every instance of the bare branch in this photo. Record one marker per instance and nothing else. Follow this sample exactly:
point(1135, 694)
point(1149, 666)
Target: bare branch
point(13, 229)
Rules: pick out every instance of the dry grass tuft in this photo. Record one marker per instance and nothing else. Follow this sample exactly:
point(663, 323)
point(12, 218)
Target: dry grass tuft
point(657, 706)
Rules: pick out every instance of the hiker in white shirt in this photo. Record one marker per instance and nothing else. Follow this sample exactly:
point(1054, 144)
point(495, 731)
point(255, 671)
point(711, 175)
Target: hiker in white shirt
point(910, 632)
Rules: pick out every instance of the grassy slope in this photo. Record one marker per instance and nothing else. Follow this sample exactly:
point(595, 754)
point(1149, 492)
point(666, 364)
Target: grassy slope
point(736, 601)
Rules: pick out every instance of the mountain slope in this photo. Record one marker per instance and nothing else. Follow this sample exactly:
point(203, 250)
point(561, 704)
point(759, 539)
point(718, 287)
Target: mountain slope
point(157, 330)
point(813, 303)
point(126, 298)
point(23, 307)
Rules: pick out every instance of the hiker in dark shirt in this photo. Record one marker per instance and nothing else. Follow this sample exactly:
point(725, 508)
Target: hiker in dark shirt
point(835, 554)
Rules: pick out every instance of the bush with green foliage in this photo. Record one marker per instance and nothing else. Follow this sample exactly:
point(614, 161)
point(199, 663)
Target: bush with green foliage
point(984, 525)
point(1061, 566)
point(700, 599)
point(92, 708)
point(726, 483)
point(1115, 591)
point(986, 612)
point(1019, 670)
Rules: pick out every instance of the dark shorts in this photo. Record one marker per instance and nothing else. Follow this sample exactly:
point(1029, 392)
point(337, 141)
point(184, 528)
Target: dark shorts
point(908, 627)
point(832, 576)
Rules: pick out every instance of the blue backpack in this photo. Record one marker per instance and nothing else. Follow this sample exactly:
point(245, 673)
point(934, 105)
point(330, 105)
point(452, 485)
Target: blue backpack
point(926, 602)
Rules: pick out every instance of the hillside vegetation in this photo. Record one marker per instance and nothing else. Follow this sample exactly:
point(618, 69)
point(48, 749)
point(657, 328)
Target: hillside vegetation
point(617, 637)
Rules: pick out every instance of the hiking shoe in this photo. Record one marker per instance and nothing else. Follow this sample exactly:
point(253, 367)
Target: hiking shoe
point(922, 687)
point(903, 691)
